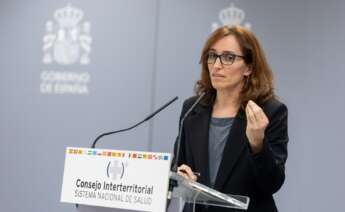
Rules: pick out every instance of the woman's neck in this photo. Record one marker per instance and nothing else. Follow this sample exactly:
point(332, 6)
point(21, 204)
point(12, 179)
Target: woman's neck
point(226, 104)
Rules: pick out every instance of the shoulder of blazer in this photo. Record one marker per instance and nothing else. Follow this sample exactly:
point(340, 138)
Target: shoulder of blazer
point(272, 107)
point(188, 104)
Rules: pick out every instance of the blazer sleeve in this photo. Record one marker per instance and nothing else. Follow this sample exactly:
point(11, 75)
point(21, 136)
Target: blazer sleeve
point(270, 162)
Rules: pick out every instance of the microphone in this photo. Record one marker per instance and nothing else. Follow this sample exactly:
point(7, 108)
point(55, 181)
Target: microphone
point(174, 168)
point(129, 128)
point(172, 182)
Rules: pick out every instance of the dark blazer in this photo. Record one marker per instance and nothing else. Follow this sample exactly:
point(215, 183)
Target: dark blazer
point(240, 172)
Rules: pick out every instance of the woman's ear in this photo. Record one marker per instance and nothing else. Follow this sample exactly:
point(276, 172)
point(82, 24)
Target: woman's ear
point(248, 71)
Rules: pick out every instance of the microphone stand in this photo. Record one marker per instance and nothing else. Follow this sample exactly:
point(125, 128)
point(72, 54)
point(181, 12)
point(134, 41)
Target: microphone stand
point(173, 183)
point(135, 125)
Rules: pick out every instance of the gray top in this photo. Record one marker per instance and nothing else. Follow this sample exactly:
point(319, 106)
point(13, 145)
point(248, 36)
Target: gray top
point(218, 135)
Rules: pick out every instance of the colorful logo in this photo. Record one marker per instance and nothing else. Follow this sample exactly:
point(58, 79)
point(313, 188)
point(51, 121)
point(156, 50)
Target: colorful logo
point(118, 154)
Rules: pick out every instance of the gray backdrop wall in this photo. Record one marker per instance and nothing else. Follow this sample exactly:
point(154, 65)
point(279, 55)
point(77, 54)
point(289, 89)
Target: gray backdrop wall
point(127, 57)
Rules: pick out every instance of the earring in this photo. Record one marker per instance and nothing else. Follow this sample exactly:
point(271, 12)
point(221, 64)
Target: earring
point(246, 81)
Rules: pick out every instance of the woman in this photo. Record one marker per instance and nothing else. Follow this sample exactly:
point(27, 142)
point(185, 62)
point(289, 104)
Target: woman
point(236, 137)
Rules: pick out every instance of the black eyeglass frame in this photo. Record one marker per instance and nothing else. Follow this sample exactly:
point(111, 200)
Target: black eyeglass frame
point(220, 58)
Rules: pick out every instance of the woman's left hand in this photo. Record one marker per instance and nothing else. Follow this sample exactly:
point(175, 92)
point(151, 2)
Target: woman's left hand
point(257, 122)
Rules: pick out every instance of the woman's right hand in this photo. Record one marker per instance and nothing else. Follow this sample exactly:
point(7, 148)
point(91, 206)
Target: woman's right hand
point(186, 172)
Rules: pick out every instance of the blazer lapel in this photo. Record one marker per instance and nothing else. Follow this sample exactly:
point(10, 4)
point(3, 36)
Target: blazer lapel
point(232, 150)
point(198, 126)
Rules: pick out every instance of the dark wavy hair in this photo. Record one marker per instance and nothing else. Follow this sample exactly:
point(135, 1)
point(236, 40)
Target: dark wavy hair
point(258, 86)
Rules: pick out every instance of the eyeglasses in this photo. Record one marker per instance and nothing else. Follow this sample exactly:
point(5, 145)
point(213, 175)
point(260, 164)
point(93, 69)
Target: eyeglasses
point(225, 58)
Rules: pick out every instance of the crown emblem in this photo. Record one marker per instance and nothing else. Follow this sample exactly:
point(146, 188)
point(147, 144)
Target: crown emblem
point(67, 40)
point(231, 16)
point(68, 16)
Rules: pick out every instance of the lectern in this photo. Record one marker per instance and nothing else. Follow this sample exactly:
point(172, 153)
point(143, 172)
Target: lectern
point(132, 180)
point(195, 193)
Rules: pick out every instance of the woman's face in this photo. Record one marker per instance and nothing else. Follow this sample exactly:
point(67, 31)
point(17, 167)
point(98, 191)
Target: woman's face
point(228, 76)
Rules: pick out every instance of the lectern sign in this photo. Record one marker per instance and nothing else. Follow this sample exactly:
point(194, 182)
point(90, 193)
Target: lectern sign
point(118, 179)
